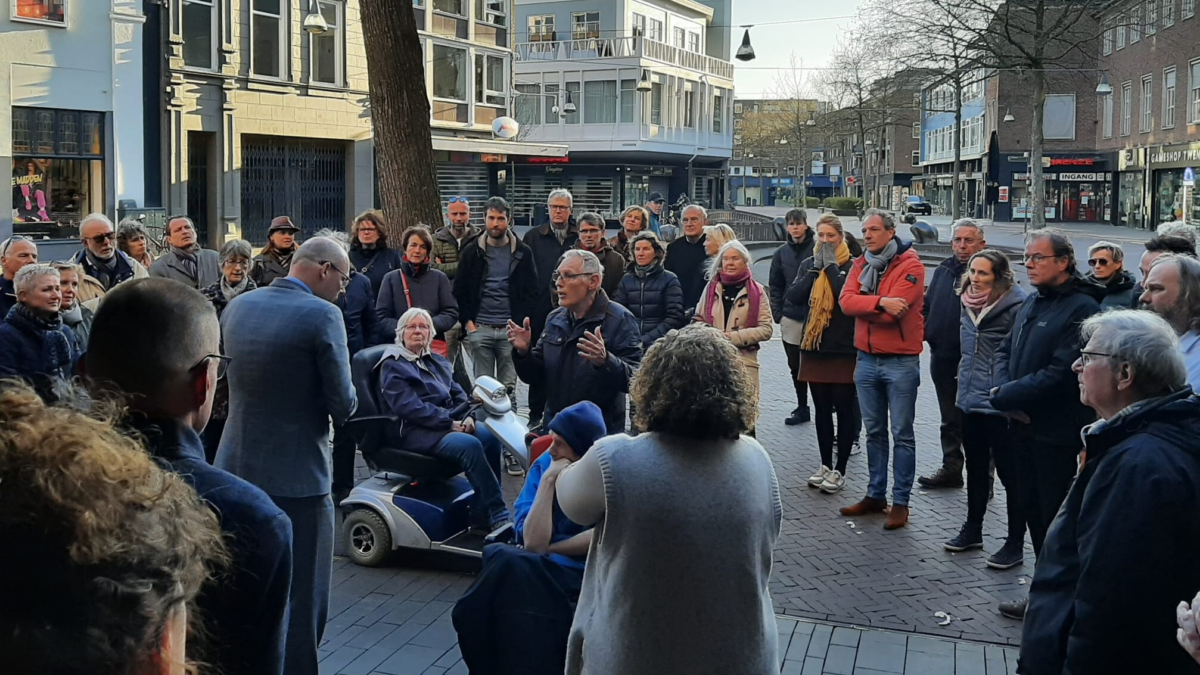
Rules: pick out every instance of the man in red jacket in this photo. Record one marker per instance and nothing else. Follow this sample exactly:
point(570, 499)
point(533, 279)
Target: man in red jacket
point(885, 291)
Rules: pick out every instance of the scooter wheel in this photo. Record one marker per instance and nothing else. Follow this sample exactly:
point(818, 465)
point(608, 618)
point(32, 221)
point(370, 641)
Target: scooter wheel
point(368, 539)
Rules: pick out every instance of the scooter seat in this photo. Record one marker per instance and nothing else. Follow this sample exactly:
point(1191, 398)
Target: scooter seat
point(415, 465)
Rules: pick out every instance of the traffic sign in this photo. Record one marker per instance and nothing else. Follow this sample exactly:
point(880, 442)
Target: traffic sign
point(1189, 177)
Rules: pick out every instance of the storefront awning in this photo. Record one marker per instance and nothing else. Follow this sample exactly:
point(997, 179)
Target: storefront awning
point(498, 147)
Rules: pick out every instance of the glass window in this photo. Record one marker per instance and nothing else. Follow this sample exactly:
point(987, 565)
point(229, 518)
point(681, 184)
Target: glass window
point(1147, 122)
point(916, 130)
point(1108, 41)
point(639, 24)
point(454, 7)
point(694, 42)
point(1121, 31)
point(326, 57)
point(1168, 13)
point(51, 195)
point(541, 28)
point(689, 109)
point(527, 107)
point(718, 112)
point(656, 30)
point(585, 25)
point(1059, 117)
point(1151, 17)
point(491, 12)
point(550, 102)
point(1135, 25)
point(1126, 108)
point(449, 73)
point(1168, 103)
point(199, 34)
point(916, 157)
point(629, 96)
point(656, 103)
point(1188, 9)
point(266, 38)
point(573, 96)
point(680, 37)
point(52, 11)
point(1108, 116)
point(489, 79)
point(600, 102)
point(1194, 91)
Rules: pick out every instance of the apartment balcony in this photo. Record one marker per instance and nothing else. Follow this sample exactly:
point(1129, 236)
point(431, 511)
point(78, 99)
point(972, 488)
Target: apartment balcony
point(597, 49)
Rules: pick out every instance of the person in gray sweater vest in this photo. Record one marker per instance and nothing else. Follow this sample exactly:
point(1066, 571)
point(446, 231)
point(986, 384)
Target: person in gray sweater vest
point(650, 499)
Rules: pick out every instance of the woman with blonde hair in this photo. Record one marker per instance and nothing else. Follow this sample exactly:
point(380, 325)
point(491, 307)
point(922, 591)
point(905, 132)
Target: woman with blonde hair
point(717, 236)
point(634, 221)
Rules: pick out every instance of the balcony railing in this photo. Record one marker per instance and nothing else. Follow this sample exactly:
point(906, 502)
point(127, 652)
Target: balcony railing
point(623, 47)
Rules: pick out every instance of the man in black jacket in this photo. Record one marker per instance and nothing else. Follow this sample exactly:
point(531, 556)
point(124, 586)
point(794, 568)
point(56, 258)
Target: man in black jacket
point(687, 258)
point(943, 317)
point(548, 242)
point(784, 266)
point(496, 283)
point(1120, 554)
point(1041, 393)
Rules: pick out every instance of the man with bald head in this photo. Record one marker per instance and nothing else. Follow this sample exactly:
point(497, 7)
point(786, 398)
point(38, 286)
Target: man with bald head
point(15, 253)
point(103, 265)
point(158, 346)
point(289, 373)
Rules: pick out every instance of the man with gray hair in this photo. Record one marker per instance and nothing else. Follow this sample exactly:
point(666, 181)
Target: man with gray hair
point(1106, 261)
point(589, 349)
point(687, 257)
point(1121, 550)
point(15, 252)
point(1172, 290)
point(289, 373)
point(555, 236)
point(103, 265)
point(943, 321)
point(186, 262)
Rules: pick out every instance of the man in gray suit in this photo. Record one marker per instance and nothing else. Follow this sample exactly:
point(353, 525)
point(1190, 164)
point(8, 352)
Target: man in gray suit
point(185, 261)
point(289, 372)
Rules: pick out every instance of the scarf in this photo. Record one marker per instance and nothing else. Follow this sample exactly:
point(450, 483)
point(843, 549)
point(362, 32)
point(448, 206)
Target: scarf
point(103, 270)
point(975, 301)
point(412, 269)
point(821, 302)
point(56, 349)
point(713, 296)
point(643, 271)
point(876, 264)
point(188, 258)
point(231, 292)
point(72, 317)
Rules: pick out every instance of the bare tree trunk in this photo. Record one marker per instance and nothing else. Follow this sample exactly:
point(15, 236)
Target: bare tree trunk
point(955, 186)
point(400, 117)
point(1037, 187)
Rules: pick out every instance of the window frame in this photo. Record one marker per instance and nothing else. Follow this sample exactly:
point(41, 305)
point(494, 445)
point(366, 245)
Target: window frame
point(1135, 24)
point(689, 105)
point(1107, 116)
point(66, 12)
point(693, 42)
point(1120, 30)
point(536, 24)
point(484, 14)
point(1168, 13)
point(465, 75)
point(1194, 91)
point(655, 29)
point(1109, 41)
point(916, 129)
point(678, 37)
point(214, 28)
point(1187, 9)
point(281, 34)
point(481, 93)
point(628, 97)
point(720, 97)
point(1126, 107)
point(1146, 110)
point(463, 13)
point(638, 28)
point(586, 23)
point(1151, 17)
point(1169, 97)
point(916, 158)
point(339, 52)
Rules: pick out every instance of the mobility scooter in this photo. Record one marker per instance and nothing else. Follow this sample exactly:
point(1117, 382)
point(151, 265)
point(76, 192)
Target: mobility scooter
point(415, 500)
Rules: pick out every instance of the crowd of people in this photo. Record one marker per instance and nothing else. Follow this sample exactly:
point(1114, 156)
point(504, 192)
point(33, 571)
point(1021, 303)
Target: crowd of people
point(228, 369)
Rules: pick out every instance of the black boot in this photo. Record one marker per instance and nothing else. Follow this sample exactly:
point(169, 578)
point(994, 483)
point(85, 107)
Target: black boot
point(799, 416)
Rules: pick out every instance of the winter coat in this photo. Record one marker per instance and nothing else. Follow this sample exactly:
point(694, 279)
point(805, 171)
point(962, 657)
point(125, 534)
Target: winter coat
point(1120, 554)
point(472, 271)
point(569, 379)
point(81, 330)
point(943, 310)
point(270, 266)
point(876, 331)
point(546, 251)
point(611, 262)
point(430, 290)
point(374, 264)
point(217, 298)
point(1118, 290)
point(838, 338)
point(745, 337)
point(358, 311)
point(977, 374)
point(620, 244)
point(689, 262)
point(208, 269)
point(8, 296)
point(41, 353)
point(91, 290)
point(656, 302)
point(220, 405)
point(1035, 361)
point(785, 265)
point(424, 396)
point(448, 250)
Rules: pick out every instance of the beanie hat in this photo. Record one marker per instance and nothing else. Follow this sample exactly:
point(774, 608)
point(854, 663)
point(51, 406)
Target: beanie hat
point(580, 425)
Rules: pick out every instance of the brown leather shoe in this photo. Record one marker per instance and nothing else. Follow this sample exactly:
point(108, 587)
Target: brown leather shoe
point(865, 506)
point(897, 517)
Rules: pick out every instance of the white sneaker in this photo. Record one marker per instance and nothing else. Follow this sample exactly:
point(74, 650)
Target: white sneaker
point(833, 483)
point(856, 448)
point(819, 477)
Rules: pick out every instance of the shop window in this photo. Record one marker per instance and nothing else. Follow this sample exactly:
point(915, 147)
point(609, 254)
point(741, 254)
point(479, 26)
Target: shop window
point(57, 170)
point(489, 79)
point(267, 38)
point(50, 11)
point(199, 34)
point(325, 58)
point(449, 73)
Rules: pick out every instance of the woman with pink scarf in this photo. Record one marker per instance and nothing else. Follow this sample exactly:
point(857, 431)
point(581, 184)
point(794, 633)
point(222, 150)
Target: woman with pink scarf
point(737, 305)
point(990, 300)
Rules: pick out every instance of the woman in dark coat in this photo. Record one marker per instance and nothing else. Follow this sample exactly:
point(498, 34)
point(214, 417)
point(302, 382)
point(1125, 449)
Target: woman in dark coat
point(416, 284)
point(652, 294)
point(74, 315)
point(235, 280)
point(369, 251)
point(827, 355)
point(35, 345)
point(275, 260)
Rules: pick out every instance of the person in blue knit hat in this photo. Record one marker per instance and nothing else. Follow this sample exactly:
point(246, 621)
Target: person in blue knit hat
point(517, 615)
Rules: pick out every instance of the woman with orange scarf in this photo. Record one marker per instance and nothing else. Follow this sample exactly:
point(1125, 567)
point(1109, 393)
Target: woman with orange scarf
point(827, 355)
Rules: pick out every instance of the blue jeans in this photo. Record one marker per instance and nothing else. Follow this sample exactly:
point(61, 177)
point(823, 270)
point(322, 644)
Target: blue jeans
point(479, 457)
point(887, 387)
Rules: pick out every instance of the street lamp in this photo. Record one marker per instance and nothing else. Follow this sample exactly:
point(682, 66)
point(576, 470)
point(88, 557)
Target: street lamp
point(1104, 88)
point(314, 23)
point(745, 52)
point(643, 84)
point(1008, 116)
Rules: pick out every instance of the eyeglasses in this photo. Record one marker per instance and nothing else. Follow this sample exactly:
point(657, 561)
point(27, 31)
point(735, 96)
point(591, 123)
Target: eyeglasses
point(559, 207)
point(345, 277)
point(1097, 262)
point(242, 264)
point(101, 238)
point(368, 229)
point(222, 364)
point(458, 200)
point(1088, 357)
point(569, 277)
point(1037, 258)
point(10, 241)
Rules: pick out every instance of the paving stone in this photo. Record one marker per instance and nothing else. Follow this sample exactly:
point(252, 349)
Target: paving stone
point(876, 655)
point(839, 660)
point(924, 663)
point(930, 646)
point(845, 636)
point(813, 666)
point(819, 642)
point(438, 635)
point(969, 659)
point(792, 668)
point(333, 663)
point(410, 660)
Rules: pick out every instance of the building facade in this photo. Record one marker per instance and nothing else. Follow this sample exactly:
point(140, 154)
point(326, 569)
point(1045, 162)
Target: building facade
point(71, 113)
point(939, 118)
point(641, 90)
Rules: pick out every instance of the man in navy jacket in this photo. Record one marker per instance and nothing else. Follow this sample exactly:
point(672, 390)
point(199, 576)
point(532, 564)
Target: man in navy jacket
point(155, 342)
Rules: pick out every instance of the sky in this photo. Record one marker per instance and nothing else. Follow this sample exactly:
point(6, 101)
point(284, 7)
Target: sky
point(811, 42)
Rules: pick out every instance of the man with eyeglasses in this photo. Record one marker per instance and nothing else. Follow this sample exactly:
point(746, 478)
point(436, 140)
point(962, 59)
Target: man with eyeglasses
point(103, 265)
point(186, 262)
point(289, 373)
point(591, 238)
point(15, 253)
point(1106, 261)
point(1041, 394)
point(157, 343)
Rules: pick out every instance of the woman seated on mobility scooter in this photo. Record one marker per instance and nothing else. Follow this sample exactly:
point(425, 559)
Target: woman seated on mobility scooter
point(418, 388)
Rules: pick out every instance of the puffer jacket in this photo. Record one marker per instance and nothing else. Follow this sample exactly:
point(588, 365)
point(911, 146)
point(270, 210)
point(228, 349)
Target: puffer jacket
point(655, 300)
point(447, 251)
point(41, 353)
point(876, 331)
point(838, 337)
point(1118, 291)
point(1120, 554)
point(1035, 361)
point(358, 311)
point(977, 374)
point(785, 265)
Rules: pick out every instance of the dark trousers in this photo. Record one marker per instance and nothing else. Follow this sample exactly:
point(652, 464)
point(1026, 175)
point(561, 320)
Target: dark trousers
point(793, 359)
point(826, 399)
point(1044, 473)
point(944, 373)
point(537, 388)
point(344, 449)
point(516, 617)
point(312, 571)
point(211, 437)
point(986, 438)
